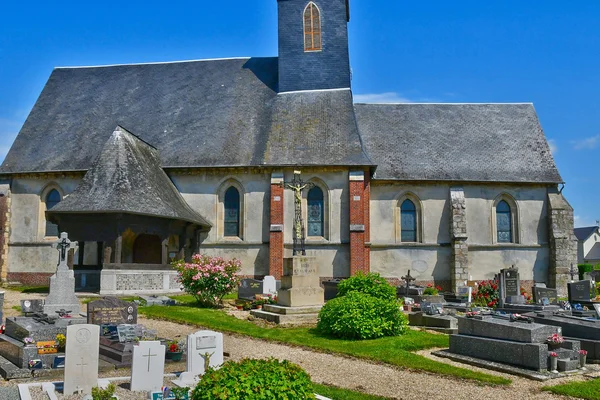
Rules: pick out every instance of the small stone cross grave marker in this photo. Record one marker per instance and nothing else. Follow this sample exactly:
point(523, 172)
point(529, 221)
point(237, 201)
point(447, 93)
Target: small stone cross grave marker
point(148, 366)
point(408, 279)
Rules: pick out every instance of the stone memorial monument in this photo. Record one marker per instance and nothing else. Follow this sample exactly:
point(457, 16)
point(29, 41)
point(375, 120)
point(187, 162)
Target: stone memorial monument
point(81, 360)
point(204, 349)
point(62, 283)
point(148, 366)
point(111, 310)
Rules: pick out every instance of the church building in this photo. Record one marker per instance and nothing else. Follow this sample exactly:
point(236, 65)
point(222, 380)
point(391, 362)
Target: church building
point(145, 163)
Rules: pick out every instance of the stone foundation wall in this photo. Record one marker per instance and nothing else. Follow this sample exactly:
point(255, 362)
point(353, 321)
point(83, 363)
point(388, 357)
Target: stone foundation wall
point(134, 279)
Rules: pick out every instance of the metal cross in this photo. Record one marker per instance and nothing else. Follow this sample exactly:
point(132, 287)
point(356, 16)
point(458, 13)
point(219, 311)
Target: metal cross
point(63, 245)
point(298, 185)
point(573, 271)
point(408, 279)
point(149, 355)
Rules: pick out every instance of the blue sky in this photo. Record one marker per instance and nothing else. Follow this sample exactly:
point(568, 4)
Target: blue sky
point(541, 51)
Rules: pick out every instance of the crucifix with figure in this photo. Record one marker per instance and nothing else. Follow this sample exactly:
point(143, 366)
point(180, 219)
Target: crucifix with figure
point(63, 245)
point(298, 185)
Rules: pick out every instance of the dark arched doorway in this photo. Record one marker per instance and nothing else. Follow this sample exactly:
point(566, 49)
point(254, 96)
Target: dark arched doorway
point(147, 250)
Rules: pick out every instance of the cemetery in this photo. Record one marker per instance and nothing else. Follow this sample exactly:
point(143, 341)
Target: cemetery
point(103, 347)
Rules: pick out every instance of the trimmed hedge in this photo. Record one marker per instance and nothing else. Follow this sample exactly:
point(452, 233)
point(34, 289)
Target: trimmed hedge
point(583, 268)
point(361, 316)
point(255, 379)
point(371, 284)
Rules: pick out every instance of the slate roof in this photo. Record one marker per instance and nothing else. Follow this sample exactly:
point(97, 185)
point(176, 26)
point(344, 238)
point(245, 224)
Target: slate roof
point(586, 232)
point(198, 114)
point(127, 178)
point(227, 113)
point(457, 142)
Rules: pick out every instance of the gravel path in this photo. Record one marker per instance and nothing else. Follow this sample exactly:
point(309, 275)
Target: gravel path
point(360, 375)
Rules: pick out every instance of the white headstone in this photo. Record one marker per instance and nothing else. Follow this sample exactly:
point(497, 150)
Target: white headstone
point(81, 358)
point(201, 345)
point(269, 285)
point(148, 366)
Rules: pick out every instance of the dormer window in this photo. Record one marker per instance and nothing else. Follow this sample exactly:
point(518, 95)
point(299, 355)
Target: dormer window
point(312, 28)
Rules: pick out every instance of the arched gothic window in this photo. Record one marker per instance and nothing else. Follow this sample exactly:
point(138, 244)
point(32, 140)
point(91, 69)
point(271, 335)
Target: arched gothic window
point(408, 221)
point(504, 222)
point(312, 28)
point(315, 212)
point(232, 212)
point(52, 199)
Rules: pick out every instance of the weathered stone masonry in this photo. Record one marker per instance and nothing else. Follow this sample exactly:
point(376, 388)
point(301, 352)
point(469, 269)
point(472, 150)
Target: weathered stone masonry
point(563, 244)
point(459, 257)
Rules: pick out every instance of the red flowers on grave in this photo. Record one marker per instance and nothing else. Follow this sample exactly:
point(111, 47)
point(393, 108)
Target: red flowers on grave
point(553, 354)
point(487, 293)
point(555, 339)
point(583, 352)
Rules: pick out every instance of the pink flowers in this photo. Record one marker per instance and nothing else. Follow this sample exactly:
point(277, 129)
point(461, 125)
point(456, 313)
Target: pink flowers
point(208, 278)
point(555, 339)
point(583, 352)
point(553, 354)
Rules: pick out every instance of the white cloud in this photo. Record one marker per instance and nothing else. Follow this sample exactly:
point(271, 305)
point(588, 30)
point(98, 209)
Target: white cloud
point(388, 97)
point(553, 146)
point(587, 143)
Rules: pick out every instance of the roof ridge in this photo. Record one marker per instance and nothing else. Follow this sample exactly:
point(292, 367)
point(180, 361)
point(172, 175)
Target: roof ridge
point(157, 62)
point(449, 104)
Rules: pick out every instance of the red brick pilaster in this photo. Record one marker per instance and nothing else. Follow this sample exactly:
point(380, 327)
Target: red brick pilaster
point(276, 226)
point(359, 222)
point(3, 235)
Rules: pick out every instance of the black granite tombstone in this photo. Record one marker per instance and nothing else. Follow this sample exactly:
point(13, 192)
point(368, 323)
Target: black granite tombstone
point(579, 291)
point(539, 293)
point(32, 306)
point(249, 288)
point(111, 310)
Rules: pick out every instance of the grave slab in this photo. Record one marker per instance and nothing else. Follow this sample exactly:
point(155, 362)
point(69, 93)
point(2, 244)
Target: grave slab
point(81, 361)
point(200, 346)
point(148, 366)
point(505, 330)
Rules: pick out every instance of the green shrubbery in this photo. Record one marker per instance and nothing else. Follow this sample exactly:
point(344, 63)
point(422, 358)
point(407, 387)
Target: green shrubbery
point(365, 308)
point(371, 284)
point(255, 379)
point(583, 268)
point(361, 316)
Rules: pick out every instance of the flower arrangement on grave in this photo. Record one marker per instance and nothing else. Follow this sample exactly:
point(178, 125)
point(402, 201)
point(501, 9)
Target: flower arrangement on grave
point(487, 294)
point(174, 350)
point(258, 303)
point(2, 329)
point(582, 358)
point(271, 299)
point(61, 341)
point(431, 290)
point(28, 341)
point(555, 339)
point(553, 354)
point(208, 278)
point(526, 296)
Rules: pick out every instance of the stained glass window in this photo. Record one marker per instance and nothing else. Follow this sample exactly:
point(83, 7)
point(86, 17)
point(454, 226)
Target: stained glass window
point(315, 212)
point(52, 199)
point(408, 221)
point(504, 222)
point(232, 212)
point(312, 28)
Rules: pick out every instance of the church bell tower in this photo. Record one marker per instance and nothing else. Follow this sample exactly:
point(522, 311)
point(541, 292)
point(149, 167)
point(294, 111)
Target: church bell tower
point(313, 44)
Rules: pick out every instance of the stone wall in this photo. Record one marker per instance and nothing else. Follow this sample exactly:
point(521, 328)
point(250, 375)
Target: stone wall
point(459, 257)
point(563, 243)
point(135, 279)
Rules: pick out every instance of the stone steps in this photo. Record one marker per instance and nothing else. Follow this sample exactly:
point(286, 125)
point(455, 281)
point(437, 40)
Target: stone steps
point(286, 319)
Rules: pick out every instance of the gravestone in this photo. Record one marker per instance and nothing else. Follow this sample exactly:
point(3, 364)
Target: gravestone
point(62, 283)
point(511, 286)
point(269, 285)
point(111, 311)
point(597, 308)
point(129, 333)
point(81, 359)
point(300, 283)
point(579, 291)
point(32, 306)
point(155, 300)
point(541, 293)
point(249, 288)
point(203, 347)
point(148, 366)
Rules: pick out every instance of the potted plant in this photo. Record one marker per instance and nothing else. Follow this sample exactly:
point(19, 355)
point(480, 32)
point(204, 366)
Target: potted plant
point(174, 351)
point(61, 341)
point(258, 303)
point(431, 290)
point(582, 358)
point(553, 362)
point(555, 341)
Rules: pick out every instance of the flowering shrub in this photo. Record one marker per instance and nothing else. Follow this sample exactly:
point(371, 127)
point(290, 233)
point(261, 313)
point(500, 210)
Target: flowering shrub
point(431, 290)
point(487, 293)
point(207, 278)
point(556, 339)
point(372, 284)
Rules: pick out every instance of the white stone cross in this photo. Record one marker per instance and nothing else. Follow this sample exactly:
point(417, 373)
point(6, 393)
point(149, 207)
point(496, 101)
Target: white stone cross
point(63, 245)
point(148, 356)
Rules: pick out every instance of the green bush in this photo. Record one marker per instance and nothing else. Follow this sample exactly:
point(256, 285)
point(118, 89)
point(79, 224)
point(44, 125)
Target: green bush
point(361, 316)
point(371, 284)
point(255, 379)
point(583, 268)
point(104, 394)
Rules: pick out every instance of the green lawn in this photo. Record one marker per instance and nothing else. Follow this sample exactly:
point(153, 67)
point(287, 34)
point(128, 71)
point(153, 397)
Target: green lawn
point(589, 390)
point(29, 289)
point(335, 393)
point(391, 350)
